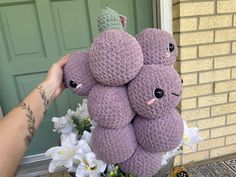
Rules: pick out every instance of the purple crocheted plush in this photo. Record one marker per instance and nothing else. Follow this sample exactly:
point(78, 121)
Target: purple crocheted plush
point(116, 61)
point(159, 135)
point(115, 58)
point(109, 107)
point(158, 46)
point(142, 163)
point(114, 145)
point(155, 91)
point(77, 73)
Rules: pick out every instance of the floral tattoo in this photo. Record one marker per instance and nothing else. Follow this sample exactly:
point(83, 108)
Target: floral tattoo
point(31, 123)
point(44, 98)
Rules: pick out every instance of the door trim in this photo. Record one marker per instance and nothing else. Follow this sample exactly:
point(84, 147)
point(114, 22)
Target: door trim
point(35, 165)
point(166, 15)
point(162, 15)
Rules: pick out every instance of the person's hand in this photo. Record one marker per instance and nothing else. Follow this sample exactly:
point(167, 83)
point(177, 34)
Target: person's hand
point(55, 76)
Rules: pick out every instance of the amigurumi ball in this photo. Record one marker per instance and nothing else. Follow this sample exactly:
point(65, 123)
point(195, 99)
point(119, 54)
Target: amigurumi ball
point(155, 91)
point(77, 73)
point(114, 145)
point(109, 107)
point(115, 58)
point(159, 47)
point(159, 135)
point(142, 163)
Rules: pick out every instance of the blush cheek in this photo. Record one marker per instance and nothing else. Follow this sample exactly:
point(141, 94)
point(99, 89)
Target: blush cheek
point(151, 101)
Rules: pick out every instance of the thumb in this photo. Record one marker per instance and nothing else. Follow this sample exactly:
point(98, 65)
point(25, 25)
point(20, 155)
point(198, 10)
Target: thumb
point(63, 60)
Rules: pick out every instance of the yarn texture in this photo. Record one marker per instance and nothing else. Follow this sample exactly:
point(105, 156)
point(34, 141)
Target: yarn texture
point(115, 58)
point(158, 46)
point(109, 19)
point(77, 71)
point(141, 91)
point(109, 106)
point(159, 135)
point(114, 145)
point(142, 163)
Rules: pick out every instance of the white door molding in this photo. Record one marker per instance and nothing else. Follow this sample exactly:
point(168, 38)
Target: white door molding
point(162, 15)
point(166, 15)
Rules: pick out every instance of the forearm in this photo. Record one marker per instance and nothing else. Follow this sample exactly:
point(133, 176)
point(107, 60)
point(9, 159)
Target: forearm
point(18, 127)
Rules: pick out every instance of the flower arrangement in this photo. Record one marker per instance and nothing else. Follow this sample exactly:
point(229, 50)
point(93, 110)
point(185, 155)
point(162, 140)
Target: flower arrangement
point(75, 151)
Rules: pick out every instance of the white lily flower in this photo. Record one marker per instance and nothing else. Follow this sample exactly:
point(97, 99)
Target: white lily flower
point(87, 136)
point(110, 167)
point(83, 147)
point(191, 137)
point(170, 154)
point(64, 124)
point(82, 111)
point(90, 166)
point(63, 155)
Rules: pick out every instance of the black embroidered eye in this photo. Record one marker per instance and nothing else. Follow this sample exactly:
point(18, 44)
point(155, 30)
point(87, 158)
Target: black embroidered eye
point(158, 93)
point(182, 81)
point(171, 47)
point(73, 84)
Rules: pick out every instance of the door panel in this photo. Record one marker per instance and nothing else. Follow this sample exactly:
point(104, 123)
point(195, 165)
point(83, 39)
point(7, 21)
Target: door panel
point(35, 33)
point(72, 25)
point(22, 33)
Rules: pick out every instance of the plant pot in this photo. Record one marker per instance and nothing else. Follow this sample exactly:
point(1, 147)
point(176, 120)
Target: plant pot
point(163, 172)
point(166, 170)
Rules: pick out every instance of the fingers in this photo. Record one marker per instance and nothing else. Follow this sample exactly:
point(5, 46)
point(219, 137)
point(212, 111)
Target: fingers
point(63, 60)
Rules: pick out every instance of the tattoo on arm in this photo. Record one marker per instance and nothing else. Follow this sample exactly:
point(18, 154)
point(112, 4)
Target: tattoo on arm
point(31, 123)
point(44, 98)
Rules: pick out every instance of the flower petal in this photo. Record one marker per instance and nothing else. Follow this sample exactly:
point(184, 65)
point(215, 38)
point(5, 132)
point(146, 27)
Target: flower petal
point(69, 140)
point(83, 145)
point(50, 152)
point(87, 136)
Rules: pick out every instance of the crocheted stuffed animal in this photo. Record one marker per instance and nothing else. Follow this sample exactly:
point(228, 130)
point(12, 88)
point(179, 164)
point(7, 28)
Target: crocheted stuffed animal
point(77, 74)
point(155, 91)
point(158, 46)
point(127, 77)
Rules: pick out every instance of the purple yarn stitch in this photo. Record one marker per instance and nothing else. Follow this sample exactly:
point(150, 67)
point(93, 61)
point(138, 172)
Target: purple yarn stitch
point(160, 85)
point(142, 163)
point(115, 58)
point(159, 135)
point(114, 145)
point(158, 46)
point(109, 107)
point(77, 71)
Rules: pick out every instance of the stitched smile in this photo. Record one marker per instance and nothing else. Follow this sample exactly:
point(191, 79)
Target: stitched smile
point(175, 94)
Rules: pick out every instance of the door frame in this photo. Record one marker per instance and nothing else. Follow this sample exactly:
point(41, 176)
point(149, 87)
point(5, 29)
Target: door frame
point(162, 18)
point(162, 15)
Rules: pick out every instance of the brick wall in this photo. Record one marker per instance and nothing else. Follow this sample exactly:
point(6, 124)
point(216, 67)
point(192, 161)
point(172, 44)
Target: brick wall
point(205, 31)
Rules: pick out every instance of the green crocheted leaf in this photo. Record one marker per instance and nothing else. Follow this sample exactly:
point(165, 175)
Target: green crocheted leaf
point(110, 19)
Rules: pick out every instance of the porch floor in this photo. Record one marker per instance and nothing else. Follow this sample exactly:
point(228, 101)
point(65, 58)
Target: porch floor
point(218, 167)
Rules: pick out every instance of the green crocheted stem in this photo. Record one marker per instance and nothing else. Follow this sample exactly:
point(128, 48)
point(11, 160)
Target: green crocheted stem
point(110, 19)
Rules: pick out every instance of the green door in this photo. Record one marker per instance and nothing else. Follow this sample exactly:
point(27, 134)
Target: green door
point(35, 33)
